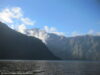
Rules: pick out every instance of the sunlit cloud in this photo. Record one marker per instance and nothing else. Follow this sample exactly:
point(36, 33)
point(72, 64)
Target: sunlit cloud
point(52, 30)
point(15, 18)
point(27, 21)
point(8, 14)
point(22, 28)
point(49, 29)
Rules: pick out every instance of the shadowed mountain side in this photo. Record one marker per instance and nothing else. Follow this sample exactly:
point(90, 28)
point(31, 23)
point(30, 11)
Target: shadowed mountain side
point(14, 45)
point(83, 47)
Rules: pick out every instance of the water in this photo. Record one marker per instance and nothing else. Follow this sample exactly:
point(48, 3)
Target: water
point(19, 67)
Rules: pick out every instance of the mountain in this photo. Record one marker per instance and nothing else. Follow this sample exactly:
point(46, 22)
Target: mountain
point(85, 47)
point(14, 45)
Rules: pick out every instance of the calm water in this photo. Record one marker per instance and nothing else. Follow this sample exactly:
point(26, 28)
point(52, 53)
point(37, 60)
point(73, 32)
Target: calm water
point(19, 67)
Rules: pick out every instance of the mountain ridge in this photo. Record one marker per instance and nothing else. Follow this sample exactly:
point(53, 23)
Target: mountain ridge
point(84, 47)
point(14, 45)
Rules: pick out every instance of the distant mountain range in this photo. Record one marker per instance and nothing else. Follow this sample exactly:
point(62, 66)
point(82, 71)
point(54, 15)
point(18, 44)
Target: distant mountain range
point(86, 47)
point(14, 45)
point(37, 44)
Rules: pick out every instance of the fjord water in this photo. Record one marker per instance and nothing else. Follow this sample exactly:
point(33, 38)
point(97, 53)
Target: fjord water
point(45, 67)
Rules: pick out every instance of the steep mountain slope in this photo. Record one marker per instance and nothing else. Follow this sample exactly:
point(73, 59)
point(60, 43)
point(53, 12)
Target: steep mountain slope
point(80, 47)
point(14, 45)
point(86, 47)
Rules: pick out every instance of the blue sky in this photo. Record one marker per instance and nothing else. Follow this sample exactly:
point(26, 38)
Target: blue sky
point(67, 16)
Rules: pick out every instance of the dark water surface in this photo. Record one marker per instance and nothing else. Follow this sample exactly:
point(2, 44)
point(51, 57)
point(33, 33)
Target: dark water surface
point(22, 67)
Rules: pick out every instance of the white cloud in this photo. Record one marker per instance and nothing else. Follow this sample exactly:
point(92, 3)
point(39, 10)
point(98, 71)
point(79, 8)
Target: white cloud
point(8, 14)
point(49, 29)
point(91, 32)
point(52, 30)
point(12, 26)
point(16, 12)
point(27, 21)
point(14, 17)
point(22, 28)
point(38, 33)
point(59, 33)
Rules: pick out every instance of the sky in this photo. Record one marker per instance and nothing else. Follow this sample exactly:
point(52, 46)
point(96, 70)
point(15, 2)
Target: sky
point(68, 17)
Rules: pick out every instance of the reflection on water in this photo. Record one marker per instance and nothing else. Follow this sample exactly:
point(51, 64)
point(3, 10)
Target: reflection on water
point(49, 68)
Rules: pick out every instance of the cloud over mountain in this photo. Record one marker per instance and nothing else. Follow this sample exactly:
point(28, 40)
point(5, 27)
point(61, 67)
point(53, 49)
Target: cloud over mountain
point(77, 47)
point(14, 17)
point(16, 46)
point(7, 15)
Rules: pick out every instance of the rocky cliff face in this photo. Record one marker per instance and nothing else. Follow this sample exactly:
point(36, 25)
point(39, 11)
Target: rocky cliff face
point(14, 45)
